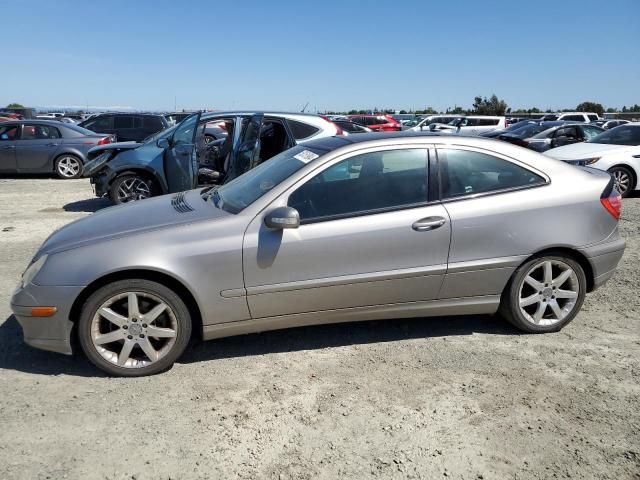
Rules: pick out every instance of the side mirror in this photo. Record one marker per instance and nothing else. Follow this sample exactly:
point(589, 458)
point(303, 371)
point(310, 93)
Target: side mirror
point(162, 142)
point(282, 217)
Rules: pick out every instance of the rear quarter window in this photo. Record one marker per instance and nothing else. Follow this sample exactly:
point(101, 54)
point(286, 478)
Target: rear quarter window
point(465, 172)
point(152, 123)
point(301, 130)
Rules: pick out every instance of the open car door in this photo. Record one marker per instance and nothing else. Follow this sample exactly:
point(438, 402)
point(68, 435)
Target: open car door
point(180, 158)
point(246, 153)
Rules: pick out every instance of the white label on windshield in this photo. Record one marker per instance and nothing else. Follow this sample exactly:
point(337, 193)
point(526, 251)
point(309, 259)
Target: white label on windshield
point(306, 156)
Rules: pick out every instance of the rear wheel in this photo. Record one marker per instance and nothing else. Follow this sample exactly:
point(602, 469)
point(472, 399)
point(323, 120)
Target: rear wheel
point(134, 328)
point(68, 167)
point(131, 187)
point(544, 294)
point(624, 181)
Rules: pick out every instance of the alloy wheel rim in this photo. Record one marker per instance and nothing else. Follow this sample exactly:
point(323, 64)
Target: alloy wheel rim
point(134, 329)
point(68, 167)
point(621, 180)
point(548, 292)
point(133, 189)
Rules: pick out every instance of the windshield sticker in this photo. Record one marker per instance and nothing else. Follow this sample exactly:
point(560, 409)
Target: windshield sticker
point(306, 156)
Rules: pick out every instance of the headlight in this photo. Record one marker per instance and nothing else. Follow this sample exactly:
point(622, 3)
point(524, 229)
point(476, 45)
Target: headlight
point(33, 269)
point(589, 161)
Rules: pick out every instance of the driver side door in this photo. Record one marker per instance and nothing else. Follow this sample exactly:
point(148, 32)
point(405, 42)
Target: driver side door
point(180, 159)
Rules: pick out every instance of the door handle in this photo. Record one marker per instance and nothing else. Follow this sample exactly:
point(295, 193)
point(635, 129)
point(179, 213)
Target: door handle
point(52, 144)
point(428, 223)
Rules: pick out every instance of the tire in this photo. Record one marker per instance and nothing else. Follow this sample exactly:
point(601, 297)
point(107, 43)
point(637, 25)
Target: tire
point(68, 166)
point(116, 338)
point(131, 187)
point(624, 179)
point(559, 300)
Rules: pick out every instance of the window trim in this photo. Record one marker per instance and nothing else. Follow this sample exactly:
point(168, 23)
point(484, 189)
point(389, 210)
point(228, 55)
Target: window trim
point(427, 148)
point(471, 196)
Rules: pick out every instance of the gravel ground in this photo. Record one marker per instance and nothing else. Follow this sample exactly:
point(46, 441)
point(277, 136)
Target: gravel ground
point(445, 397)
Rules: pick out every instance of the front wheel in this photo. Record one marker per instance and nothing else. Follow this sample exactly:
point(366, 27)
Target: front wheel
point(544, 294)
point(132, 328)
point(624, 181)
point(129, 188)
point(68, 167)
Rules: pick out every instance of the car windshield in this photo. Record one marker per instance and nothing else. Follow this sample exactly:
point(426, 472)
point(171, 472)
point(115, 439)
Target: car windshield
point(76, 128)
point(242, 191)
point(622, 135)
point(528, 131)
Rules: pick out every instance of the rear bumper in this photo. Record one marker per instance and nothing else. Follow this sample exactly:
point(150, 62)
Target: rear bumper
point(604, 258)
point(46, 333)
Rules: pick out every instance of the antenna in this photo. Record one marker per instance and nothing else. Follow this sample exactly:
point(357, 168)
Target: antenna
point(305, 107)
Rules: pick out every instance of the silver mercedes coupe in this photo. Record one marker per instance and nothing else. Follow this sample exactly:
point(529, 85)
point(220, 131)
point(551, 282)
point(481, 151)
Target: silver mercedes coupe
point(342, 229)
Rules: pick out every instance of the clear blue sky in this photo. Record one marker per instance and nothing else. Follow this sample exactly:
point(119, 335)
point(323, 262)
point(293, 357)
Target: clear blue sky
point(333, 54)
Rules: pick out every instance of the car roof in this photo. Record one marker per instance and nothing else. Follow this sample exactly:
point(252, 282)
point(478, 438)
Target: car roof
point(35, 121)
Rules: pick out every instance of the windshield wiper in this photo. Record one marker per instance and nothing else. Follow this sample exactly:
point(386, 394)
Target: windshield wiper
point(211, 192)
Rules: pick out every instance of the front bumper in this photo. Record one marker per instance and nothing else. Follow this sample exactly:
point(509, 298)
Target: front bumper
point(46, 333)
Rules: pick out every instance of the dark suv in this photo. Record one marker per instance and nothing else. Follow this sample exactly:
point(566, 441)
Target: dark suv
point(127, 127)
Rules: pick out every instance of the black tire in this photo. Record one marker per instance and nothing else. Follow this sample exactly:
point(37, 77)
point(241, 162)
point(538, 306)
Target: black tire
point(68, 166)
point(510, 302)
point(619, 173)
point(142, 187)
point(140, 287)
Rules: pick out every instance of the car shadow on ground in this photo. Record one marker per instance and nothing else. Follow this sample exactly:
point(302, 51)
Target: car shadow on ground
point(90, 205)
point(16, 355)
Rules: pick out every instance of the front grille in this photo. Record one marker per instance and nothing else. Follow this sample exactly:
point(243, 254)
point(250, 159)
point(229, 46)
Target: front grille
point(180, 204)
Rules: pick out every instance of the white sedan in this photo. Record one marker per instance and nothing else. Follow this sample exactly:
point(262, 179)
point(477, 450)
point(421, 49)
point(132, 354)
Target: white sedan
point(616, 151)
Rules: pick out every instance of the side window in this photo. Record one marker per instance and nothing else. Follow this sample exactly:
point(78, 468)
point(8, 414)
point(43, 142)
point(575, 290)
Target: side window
point(301, 130)
point(567, 132)
point(592, 118)
point(122, 121)
point(364, 184)
point(9, 132)
point(100, 124)
point(464, 172)
point(153, 123)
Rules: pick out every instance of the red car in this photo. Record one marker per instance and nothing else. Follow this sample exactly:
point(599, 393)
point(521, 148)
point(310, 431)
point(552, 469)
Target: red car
point(377, 123)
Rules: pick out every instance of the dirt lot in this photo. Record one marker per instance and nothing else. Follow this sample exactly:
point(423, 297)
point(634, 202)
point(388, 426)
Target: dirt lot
point(449, 397)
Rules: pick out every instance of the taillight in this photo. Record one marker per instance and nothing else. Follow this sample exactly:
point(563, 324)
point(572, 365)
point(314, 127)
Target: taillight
point(104, 141)
point(613, 204)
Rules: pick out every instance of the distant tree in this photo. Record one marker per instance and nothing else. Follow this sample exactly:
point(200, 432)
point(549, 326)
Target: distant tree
point(352, 112)
point(491, 106)
point(15, 105)
point(456, 110)
point(612, 110)
point(624, 109)
point(403, 112)
point(590, 107)
point(362, 112)
point(534, 110)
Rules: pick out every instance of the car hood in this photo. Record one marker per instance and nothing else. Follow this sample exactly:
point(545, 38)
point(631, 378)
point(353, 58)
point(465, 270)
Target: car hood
point(131, 219)
point(115, 146)
point(585, 150)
